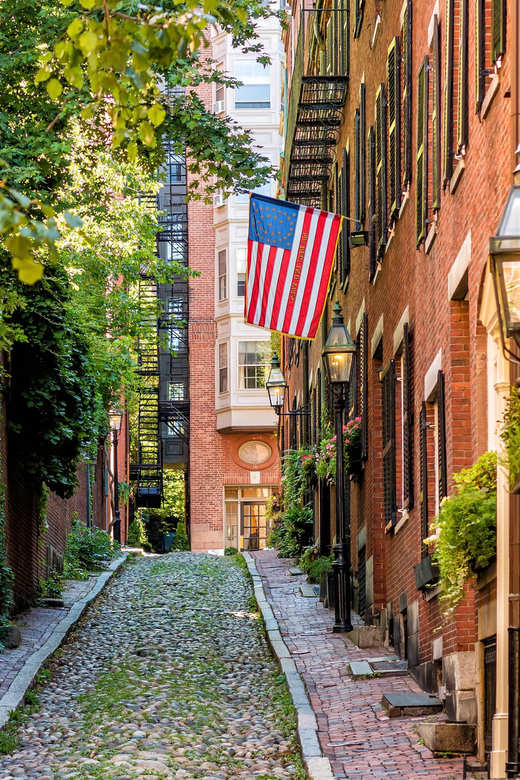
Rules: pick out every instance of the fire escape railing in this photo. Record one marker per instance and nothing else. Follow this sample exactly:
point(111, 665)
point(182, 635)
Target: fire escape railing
point(319, 91)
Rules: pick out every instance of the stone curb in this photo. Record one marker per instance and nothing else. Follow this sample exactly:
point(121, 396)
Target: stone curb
point(318, 767)
point(15, 695)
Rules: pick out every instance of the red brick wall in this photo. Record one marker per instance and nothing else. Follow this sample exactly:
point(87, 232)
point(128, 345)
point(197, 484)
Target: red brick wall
point(411, 277)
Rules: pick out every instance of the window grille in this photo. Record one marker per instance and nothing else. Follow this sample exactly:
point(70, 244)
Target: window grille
point(423, 452)
point(222, 275)
point(176, 391)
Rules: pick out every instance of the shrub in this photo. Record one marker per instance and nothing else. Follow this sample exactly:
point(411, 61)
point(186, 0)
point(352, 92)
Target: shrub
point(465, 529)
point(87, 549)
point(511, 436)
point(137, 533)
point(52, 587)
point(318, 569)
point(291, 531)
point(230, 551)
point(181, 541)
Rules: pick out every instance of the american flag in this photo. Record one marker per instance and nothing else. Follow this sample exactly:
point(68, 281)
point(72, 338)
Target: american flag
point(289, 262)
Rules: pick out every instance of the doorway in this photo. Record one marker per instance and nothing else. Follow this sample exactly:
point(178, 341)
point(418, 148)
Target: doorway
point(254, 528)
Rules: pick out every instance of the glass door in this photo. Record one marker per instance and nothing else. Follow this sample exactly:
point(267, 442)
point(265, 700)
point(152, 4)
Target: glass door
point(254, 526)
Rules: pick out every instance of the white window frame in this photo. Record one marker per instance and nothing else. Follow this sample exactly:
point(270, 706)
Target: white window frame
point(222, 269)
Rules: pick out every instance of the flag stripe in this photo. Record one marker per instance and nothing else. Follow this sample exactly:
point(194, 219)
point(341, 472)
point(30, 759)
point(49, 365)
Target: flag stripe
point(290, 254)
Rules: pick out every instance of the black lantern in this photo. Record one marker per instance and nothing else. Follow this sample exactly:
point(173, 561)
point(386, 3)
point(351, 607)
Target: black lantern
point(116, 418)
point(504, 249)
point(276, 385)
point(339, 349)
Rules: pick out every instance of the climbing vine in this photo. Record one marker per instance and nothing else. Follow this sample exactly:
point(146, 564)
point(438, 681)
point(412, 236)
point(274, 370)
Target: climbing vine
point(6, 573)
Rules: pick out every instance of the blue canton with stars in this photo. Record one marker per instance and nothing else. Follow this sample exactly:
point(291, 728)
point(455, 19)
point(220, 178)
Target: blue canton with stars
point(272, 221)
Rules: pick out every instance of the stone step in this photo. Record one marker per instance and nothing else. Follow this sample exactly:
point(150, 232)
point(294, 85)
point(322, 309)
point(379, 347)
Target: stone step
point(307, 591)
point(411, 704)
point(360, 669)
point(448, 737)
point(294, 571)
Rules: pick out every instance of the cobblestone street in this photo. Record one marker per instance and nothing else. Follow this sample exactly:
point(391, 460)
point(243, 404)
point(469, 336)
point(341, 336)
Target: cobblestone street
point(167, 676)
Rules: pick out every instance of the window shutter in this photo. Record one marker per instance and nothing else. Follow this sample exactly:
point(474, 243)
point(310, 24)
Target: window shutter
point(389, 476)
point(381, 157)
point(421, 194)
point(436, 116)
point(497, 29)
point(441, 438)
point(423, 447)
point(344, 39)
point(372, 198)
point(407, 385)
point(462, 93)
point(345, 230)
point(447, 145)
point(363, 386)
point(393, 74)
point(357, 169)
point(352, 402)
point(407, 94)
point(359, 8)
point(362, 151)
point(480, 54)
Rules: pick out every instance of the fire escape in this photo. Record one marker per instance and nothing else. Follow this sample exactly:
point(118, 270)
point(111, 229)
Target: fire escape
point(162, 347)
point(318, 94)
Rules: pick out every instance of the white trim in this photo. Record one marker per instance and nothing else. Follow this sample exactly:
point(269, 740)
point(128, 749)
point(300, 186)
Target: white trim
point(359, 318)
point(432, 22)
point(459, 267)
point(376, 337)
point(399, 331)
point(430, 379)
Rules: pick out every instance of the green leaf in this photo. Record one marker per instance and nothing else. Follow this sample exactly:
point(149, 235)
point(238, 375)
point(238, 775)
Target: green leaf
point(74, 76)
point(74, 28)
point(43, 74)
point(88, 42)
point(156, 114)
point(54, 88)
point(147, 134)
point(88, 4)
point(72, 220)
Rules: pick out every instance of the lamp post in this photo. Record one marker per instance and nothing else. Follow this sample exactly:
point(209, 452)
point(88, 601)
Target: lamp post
point(337, 353)
point(116, 418)
point(276, 385)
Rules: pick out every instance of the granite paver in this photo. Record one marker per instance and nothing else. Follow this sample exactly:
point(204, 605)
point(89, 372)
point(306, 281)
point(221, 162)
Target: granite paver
point(355, 733)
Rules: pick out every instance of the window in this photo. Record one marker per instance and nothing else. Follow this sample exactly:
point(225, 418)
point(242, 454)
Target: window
point(455, 72)
point(252, 364)
point(241, 264)
point(255, 91)
point(175, 391)
point(407, 418)
point(176, 340)
point(172, 171)
point(173, 429)
point(393, 74)
point(359, 7)
point(372, 201)
point(220, 89)
point(264, 189)
point(222, 275)
point(436, 116)
point(362, 373)
point(175, 307)
point(490, 42)
point(222, 368)
point(389, 466)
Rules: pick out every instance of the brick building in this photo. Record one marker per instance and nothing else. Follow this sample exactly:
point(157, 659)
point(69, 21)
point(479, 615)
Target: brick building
point(233, 462)
point(394, 111)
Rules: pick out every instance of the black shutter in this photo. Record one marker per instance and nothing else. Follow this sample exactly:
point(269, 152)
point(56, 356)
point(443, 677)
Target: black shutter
point(362, 151)
point(359, 7)
point(447, 143)
point(423, 446)
point(389, 475)
point(363, 385)
point(357, 169)
point(498, 32)
point(345, 230)
point(480, 54)
point(407, 385)
point(436, 117)
point(352, 403)
point(372, 201)
point(407, 94)
point(381, 171)
point(462, 97)
point(441, 437)
point(393, 73)
point(421, 191)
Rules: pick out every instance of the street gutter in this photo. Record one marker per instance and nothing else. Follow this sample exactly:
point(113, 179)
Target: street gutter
point(316, 764)
point(24, 680)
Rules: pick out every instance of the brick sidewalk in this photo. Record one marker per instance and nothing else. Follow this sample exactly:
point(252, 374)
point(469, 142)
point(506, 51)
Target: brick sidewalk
point(36, 626)
point(360, 740)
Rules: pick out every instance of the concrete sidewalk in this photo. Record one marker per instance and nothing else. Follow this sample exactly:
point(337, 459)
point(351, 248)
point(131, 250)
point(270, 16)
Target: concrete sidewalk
point(355, 733)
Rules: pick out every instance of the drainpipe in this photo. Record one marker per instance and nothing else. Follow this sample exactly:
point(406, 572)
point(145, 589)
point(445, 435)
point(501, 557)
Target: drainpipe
point(500, 718)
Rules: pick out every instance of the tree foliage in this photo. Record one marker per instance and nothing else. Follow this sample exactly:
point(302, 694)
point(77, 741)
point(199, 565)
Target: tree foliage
point(125, 70)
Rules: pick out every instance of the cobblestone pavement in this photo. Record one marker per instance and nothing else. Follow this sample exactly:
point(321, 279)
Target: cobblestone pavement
point(167, 676)
point(357, 736)
point(36, 627)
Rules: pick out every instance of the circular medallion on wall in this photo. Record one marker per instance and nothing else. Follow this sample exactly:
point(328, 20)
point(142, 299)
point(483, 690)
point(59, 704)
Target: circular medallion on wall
point(254, 452)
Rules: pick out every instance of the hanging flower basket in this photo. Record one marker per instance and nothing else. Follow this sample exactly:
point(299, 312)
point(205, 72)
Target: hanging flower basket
point(326, 455)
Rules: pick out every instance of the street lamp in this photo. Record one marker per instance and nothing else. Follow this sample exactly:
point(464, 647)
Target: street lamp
point(116, 419)
point(276, 385)
point(504, 249)
point(338, 354)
